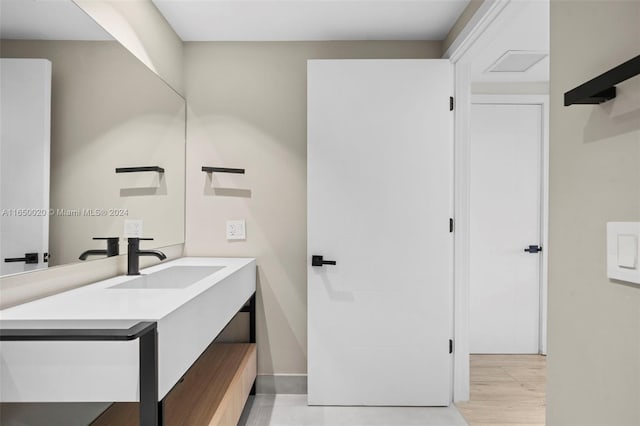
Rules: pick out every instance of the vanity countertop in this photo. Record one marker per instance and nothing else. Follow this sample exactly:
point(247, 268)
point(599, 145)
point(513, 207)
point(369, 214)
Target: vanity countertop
point(99, 302)
point(191, 300)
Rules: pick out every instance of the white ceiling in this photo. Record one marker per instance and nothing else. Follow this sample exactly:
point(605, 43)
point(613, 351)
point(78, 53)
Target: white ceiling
point(297, 20)
point(523, 25)
point(47, 20)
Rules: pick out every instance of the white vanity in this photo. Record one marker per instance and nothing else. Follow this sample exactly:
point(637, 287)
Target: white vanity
point(189, 300)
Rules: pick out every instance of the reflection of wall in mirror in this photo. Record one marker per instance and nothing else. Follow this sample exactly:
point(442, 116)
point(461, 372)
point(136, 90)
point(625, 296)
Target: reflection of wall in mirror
point(141, 28)
point(108, 111)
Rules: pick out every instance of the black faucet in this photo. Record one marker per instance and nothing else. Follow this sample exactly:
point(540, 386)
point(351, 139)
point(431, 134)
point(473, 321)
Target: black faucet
point(112, 248)
point(134, 253)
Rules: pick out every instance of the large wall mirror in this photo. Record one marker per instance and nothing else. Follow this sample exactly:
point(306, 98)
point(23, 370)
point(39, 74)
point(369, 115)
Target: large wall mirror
point(106, 110)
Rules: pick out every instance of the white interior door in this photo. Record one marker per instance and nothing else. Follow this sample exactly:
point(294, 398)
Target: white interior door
point(506, 150)
point(379, 201)
point(25, 125)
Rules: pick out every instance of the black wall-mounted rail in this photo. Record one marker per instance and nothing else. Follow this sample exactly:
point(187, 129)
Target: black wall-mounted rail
point(222, 170)
point(602, 88)
point(146, 332)
point(139, 169)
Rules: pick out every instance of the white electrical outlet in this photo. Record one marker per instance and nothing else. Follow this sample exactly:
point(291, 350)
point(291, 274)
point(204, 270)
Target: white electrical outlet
point(132, 228)
point(236, 230)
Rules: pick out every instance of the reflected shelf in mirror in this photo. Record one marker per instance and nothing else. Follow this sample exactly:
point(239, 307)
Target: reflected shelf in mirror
point(139, 169)
point(208, 169)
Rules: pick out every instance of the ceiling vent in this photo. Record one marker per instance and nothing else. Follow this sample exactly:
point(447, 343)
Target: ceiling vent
point(517, 61)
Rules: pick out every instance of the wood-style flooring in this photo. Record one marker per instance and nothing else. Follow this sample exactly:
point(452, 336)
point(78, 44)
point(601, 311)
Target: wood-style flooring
point(506, 390)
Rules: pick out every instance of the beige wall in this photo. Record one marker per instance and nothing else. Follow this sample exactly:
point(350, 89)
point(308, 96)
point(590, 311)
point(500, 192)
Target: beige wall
point(247, 108)
point(142, 29)
point(594, 323)
point(108, 111)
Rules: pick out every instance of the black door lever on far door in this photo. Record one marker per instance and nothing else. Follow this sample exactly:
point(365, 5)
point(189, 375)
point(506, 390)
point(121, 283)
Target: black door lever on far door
point(319, 261)
point(533, 249)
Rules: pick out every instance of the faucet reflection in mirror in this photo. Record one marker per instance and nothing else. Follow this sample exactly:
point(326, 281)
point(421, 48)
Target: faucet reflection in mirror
point(113, 248)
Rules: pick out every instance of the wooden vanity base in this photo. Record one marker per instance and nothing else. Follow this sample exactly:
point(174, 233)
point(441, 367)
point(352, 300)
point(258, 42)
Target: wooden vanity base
point(213, 391)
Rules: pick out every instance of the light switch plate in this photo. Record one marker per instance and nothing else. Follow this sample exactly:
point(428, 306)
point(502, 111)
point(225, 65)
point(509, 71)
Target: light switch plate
point(133, 228)
point(622, 251)
point(236, 230)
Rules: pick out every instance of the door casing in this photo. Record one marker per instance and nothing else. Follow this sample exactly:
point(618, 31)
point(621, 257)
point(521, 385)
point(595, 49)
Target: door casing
point(467, 45)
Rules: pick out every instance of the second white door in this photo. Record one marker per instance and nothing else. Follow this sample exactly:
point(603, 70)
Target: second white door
point(506, 152)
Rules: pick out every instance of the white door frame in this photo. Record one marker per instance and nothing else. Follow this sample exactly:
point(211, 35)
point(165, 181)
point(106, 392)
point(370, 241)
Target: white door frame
point(461, 53)
point(543, 102)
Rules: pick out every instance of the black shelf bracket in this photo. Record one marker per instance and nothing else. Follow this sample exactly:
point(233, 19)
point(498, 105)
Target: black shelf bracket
point(221, 170)
point(139, 169)
point(602, 88)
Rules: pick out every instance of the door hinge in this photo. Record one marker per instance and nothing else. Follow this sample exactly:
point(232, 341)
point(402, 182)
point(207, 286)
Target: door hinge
point(450, 225)
point(450, 346)
point(450, 103)
point(533, 249)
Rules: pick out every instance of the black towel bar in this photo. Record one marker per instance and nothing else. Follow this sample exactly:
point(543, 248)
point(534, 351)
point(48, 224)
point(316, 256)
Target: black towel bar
point(602, 88)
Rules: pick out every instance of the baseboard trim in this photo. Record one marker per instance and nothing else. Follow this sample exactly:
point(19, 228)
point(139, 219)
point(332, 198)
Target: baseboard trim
point(270, 384)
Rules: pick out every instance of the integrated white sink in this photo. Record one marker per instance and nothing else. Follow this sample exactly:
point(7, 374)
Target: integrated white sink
point(191, 299)
point(173, 277)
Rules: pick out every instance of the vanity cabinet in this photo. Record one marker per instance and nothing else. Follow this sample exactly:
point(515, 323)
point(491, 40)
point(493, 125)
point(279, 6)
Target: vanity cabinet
point(213, 391)
point(139, 341)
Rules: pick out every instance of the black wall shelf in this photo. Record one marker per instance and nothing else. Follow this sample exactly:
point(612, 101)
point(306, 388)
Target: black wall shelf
point(602, 88)
point(139, 169)
point(221, 170)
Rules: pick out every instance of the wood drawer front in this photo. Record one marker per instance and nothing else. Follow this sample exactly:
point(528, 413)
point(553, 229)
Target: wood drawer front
point(212, 393)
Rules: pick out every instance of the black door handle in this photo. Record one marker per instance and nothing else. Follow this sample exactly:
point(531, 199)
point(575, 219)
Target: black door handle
point(29, 258)
point(533, 249)
point(319, 261)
